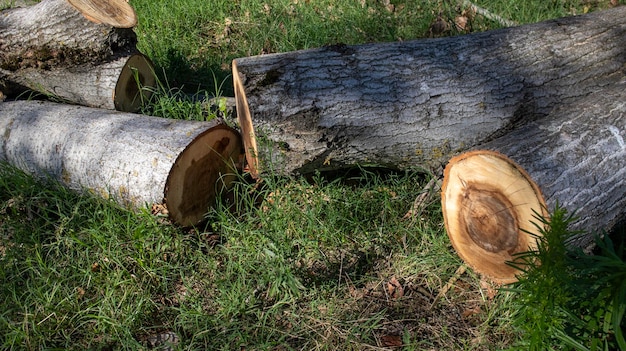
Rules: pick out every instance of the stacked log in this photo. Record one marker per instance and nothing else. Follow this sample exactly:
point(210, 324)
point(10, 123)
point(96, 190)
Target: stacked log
point(78, 51)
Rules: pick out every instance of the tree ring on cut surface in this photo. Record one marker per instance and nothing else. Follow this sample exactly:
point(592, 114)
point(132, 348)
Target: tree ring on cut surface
point(489, 219)
point(490, 206)
point(201, 173)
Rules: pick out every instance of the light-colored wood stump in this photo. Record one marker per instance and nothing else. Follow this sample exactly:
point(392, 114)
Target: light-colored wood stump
point(136, 160)
point(489, 205)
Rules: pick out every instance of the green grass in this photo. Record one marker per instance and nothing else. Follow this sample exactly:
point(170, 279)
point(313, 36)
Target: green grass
point(76, 271)
point(326, 263)
point(195, 40)
point(309, 267)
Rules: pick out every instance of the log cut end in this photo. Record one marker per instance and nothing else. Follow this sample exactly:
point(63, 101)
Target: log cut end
point(116, 13)
point(201, 172)
point(135, 84)
point(245, 123)
point(489, 206)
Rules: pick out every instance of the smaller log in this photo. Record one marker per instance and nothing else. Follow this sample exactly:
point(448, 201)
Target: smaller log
point(122, 84)
point(576, 156)
point(489, 205)
point(134, 159)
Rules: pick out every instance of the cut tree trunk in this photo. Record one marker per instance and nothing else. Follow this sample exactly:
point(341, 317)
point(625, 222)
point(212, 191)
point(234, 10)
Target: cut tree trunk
point(77, 51)
point(577, 158)
point(416, 103)
point(124, 83)
point(136, 160)
point(54, 32)
point(489, 204)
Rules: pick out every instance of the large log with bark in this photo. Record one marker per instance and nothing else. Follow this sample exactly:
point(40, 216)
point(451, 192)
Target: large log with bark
point(576, 156)
point(136, 160)
point(417, 103)
point(79, 51)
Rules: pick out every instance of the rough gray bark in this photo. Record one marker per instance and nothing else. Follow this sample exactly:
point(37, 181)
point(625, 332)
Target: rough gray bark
point(53, 33)
point(416, 103)
point(577, 157)
point(109, 85)
point(137, 160)
point(52, 48)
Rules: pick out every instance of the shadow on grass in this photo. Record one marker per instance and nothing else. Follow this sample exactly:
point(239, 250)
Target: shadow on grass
point(192, 77)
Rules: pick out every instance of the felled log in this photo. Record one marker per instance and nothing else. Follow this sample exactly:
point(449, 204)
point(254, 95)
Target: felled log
point(122, 83)
point(576, 157)
point(489, 204)
point(82, 52)
point(136, 160)
point(417, 103)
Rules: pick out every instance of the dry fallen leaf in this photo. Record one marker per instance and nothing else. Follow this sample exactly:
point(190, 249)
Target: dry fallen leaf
point(470, 311)
point(80, 292)
point(391, 341)
point(159, 209)
point(95, 267)
point(394, 288)
point(461, 23)
point(469, 12)
point(438, 27)
point(489, 289)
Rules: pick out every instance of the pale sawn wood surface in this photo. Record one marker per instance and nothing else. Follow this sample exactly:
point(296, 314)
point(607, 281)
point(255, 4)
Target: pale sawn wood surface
point(489, 206)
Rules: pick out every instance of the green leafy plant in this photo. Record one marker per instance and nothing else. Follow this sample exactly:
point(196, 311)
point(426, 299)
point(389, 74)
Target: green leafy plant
point(567, 299)
point(602, 289)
